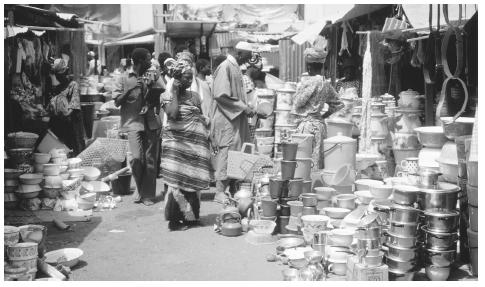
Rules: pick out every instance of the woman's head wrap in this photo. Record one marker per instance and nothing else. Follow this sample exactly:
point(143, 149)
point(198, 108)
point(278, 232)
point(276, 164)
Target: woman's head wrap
point(59, 66)
point(313, 55)
point(182, 66)
point(185, 56)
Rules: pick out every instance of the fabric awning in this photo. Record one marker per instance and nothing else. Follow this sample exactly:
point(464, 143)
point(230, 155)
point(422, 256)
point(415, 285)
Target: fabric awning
point(147, 39)
point(189, 29)
point(360, 10)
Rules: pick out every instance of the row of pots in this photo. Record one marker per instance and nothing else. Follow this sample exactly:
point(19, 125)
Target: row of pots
point(444, 196)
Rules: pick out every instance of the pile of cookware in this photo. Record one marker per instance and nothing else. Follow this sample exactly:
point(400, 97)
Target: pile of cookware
point(264, 133)
point(441, 220)
point(283, 119)
point(402, 237)
point(409, 111)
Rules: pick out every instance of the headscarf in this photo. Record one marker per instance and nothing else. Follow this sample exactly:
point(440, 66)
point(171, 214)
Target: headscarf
point(185, 56)
point(59, 66)
point(313, 55)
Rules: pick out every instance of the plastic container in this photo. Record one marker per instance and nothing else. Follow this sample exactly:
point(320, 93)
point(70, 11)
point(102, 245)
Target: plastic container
point(121, 185)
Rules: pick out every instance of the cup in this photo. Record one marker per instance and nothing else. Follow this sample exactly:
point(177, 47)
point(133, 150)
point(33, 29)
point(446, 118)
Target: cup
point(338, 268)
point(410, 165)
point(382, 168)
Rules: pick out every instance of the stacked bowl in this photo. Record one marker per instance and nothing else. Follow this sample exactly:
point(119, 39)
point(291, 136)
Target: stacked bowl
point(11, 185)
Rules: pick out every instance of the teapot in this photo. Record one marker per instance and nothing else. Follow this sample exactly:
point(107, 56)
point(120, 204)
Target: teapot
point(408, 122)
point(410, 100)
point(229, 223)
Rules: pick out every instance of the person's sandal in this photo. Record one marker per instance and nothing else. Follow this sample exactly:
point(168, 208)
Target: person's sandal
point(148, 202)
point(176, 226)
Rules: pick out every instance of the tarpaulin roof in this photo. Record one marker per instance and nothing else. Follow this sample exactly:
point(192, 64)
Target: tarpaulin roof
point(34, 16)
point(188, 29)
point(360, 10)
point(147, 39)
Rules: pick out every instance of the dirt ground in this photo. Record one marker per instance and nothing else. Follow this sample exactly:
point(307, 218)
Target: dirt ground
point(132, 242)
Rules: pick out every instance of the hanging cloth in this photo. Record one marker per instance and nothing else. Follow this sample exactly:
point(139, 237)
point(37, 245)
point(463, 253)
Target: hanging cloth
point(365, 138)
point(21, 56)
point(344, 45)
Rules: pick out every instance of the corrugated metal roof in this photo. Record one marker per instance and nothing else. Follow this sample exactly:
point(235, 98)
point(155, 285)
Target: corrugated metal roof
point(292, 63)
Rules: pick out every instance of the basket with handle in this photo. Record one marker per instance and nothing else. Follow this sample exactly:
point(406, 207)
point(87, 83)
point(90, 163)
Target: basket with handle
point(241, 165)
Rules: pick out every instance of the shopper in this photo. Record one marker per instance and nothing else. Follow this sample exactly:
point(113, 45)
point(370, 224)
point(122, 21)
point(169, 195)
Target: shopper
point(309, 100)
point(230, 128)
point(143, 130)
point(203, 68)
point(66, 120)
point(185, 161)
point(92, 63)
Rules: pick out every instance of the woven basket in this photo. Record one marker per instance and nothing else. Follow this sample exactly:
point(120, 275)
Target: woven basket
point(106, 154)
point(21, 156)
point(22, 140)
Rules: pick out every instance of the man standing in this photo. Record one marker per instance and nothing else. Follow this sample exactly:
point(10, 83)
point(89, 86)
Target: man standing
point(143, 129)
point(94, 67)
point(229, 128)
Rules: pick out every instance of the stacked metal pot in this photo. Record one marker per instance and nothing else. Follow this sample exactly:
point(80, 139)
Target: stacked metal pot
point(283, 119)
point(402, 242)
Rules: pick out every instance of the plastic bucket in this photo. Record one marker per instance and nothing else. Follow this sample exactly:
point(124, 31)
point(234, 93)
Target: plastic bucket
point(472, 194)
point(303, 168)
point(305, 145)
point(345, 175)
point(269, 206)
point(307, 186)
point(275, 187)
point(472, 172)
point(288, 169)
point(122, 184)
point(295, 187)
point(289, 150)
point(336, 127)
point(473, 245)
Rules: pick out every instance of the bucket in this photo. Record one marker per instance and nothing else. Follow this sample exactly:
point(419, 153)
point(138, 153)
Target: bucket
point(336, 126)
point(339, 150)
point(345, 175)
point(472, 194)
point(472, 172)
point(295, 187)
point(275, 187)
point(473, 212)
point(122, 184)
point(473, 245)
point(303, 168)
point(283, 222)
point(289, 150)
point(288, 169)
point(305, 145)
point(307, 187)
point(269, 206)
point(49, 142)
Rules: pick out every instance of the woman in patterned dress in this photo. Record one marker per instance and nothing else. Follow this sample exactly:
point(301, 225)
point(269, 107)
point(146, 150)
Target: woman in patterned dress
point(309, 100)
point(185, 149)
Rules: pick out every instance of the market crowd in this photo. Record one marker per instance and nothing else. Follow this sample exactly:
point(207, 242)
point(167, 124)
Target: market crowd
point(182, 116)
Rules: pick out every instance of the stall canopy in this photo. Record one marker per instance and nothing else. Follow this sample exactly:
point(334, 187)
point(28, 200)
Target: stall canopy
point(326, 13)
point(25, 15)
point(190, 29)
point(147, 39)
point(361, 10)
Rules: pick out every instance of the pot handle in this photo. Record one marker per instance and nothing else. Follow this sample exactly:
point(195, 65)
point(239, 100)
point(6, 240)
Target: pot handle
point(231, 214)
point(397, 224)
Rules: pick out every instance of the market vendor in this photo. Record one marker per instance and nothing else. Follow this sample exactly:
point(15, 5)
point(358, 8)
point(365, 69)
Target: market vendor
point(66, 120)
point(350, 79)
point(309, 100)
point(24, 95)
point(230, 128)
point(185, 161)
point(143, 129)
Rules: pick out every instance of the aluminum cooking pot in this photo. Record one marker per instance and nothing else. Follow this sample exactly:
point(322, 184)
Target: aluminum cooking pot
point(428, 178)
point(405, 254)
point(442, 221)
point(405, 195)
point(404, 229)
point(440, 258)
point(400, 265)
point(401, 241)
point(368, 233)
point(440, 240)
point(402, 213)
point(445, 197)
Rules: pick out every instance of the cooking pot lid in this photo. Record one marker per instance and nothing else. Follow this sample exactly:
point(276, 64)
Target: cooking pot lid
point(408, 92)
point(443, 187)
point(339, 138)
